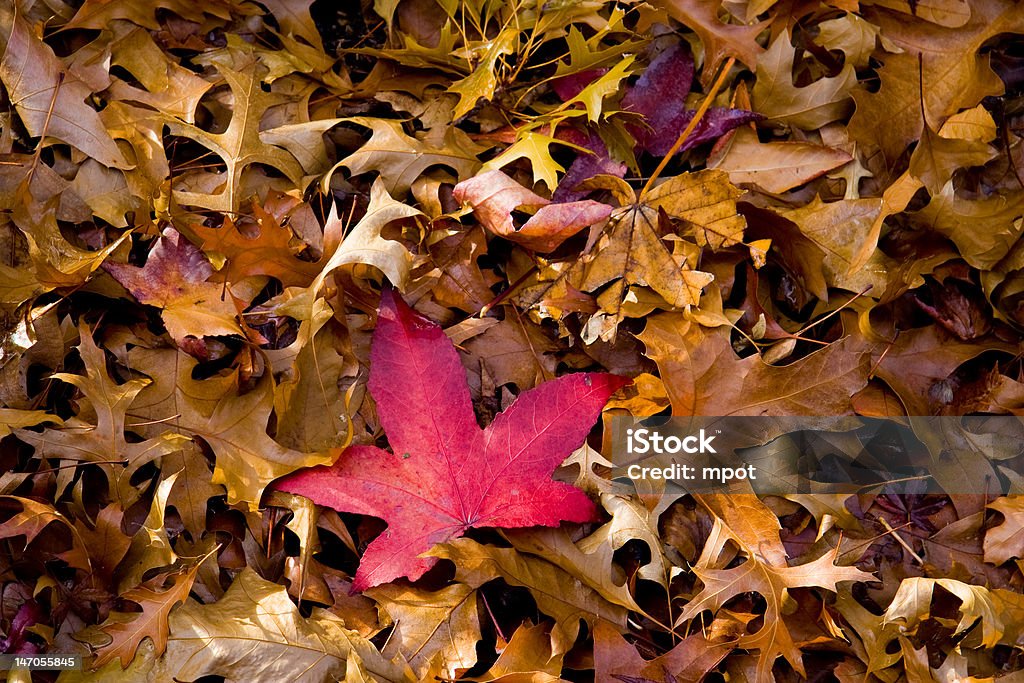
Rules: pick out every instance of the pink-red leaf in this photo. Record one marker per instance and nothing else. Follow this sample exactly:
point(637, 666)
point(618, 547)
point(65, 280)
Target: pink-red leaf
point(494, 196)
point(659, 98)
point(447, 475)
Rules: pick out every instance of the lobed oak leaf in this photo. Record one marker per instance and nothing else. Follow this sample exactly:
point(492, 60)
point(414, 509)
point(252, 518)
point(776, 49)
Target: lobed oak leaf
point(918, 362)
point(234, 425)
point(106, 543)
point(809, 107)
point(256, 633)
point(293, 16)
point(589, 562)
point(364, 243)
point(101, 14)
point(446, 474)
point(12, 418)
point(631, 521)
point(999, 611)
point(772, 579)
point(1006, 541)
point(55, 261)
point(162, 83)
point(106, 442)
point(559, 589)
point(962, 138)
point(241, 144)
point(703, 375)
point(851, 35)
point(269, 252)
point(527, 657)
point(948, 13)
point(955, 74)
point(721, 40)
point(33, 518)
point(937, 157)
point(984, 230)
point(150, 547)
point(127, 630)
point(839, 228)
point(434, 626)
point(401, 159)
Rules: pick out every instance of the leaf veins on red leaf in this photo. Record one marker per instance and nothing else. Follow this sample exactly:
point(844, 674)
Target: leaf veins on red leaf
point(446, 474)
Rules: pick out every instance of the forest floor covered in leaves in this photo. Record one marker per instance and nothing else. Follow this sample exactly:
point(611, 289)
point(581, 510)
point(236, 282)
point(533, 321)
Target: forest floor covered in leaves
point(316, 318)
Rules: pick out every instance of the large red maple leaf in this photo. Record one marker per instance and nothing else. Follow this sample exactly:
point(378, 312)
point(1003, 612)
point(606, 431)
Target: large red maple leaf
point(446, 474)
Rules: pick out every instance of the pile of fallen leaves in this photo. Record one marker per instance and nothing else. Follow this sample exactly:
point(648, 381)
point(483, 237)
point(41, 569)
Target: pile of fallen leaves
point(315, 316)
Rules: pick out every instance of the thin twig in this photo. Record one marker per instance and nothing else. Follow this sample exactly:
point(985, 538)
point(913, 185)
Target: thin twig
point(690, 126)
point(899, 539)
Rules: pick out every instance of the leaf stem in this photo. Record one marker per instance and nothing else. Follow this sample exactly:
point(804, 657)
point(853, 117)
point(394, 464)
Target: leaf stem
point(690, 127)
point(832, 313)
point(488, 307)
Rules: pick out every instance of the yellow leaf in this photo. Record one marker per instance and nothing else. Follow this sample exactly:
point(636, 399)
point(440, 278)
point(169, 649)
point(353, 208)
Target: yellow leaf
point(234, 426)
point(401, 159)
point(809, 107)
point(440, 627)
point(255, 633)
point(482, 82)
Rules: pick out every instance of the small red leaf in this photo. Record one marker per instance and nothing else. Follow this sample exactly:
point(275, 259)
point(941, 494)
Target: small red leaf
point(447, 475)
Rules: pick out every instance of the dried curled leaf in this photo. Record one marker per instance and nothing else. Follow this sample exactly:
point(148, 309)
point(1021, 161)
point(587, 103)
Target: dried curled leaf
point(255, 632)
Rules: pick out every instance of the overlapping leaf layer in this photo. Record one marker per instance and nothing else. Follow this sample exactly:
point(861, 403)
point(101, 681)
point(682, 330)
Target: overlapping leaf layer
point(314, 316)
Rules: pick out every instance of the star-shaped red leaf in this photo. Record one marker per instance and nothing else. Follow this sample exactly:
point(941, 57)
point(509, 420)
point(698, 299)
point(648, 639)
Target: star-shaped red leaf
point(446, 474)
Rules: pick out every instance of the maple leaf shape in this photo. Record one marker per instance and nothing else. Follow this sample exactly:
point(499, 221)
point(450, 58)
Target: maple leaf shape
point(632, 250)
point(175, 280)
point(269, 252)
point(447, 475)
